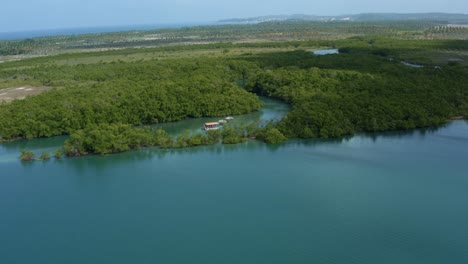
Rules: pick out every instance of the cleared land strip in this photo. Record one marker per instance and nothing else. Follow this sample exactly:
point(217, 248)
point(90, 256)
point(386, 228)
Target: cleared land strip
point(10, 94)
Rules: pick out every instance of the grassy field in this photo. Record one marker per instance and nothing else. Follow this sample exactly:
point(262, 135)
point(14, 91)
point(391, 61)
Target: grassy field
point(283, 31)
point(425, 52)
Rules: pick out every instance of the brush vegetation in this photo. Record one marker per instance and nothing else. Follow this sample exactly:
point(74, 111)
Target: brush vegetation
point(98, 98)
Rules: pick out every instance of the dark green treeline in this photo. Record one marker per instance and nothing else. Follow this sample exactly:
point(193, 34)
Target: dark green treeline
point(365, 88)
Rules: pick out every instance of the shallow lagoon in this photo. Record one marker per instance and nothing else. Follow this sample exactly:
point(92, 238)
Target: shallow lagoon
point(325, 51)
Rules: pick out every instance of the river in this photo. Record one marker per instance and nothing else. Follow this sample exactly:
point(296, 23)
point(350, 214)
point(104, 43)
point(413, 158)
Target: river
point(381, 198)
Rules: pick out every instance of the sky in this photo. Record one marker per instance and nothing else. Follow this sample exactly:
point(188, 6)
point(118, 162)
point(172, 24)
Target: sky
point(21, 15)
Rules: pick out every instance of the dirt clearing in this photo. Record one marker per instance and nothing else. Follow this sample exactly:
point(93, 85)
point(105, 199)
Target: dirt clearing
point(10, 94)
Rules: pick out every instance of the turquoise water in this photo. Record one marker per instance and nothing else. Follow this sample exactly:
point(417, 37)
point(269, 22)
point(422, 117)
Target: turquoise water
point(273, 110)
point(384, 198)
point(14, 35)
point(325, 51)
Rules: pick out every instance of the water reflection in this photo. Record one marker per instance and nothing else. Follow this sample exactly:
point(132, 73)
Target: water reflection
point(319, 146)
point(100, 163)
point(273, 110)
point(398, 134)
point(310, 190)
point(320, 141)
point(35, 144)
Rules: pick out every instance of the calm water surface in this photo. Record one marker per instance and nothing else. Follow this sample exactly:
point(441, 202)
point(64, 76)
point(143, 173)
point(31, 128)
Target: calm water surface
point(325, 51)
point(386, 198)
point(273, 110)
point(12, 35)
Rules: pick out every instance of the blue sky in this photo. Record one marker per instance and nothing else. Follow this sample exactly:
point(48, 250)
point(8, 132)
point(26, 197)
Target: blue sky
point(19, 15)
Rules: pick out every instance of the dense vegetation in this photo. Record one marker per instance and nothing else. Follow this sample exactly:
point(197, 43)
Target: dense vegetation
point(333, 103)
point(111, 138)
point(26, 155)
point(129, 93)
point(365, 88)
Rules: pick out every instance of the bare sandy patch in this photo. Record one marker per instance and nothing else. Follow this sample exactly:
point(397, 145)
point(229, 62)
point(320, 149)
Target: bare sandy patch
point(14, 93)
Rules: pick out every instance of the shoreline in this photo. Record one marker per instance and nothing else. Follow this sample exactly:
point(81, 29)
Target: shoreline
point(220, 142)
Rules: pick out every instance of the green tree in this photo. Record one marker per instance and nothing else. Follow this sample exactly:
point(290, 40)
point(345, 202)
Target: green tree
point(44, 156)
point(273, 136)
point(58, 154)
point(26, 155)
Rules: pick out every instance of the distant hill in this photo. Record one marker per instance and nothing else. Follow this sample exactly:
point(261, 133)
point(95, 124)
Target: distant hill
point(440, 17)
point(443, 17)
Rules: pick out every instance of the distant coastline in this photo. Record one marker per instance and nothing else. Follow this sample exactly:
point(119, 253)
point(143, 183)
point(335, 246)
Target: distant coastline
point(15, 35)
point(449, 19)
